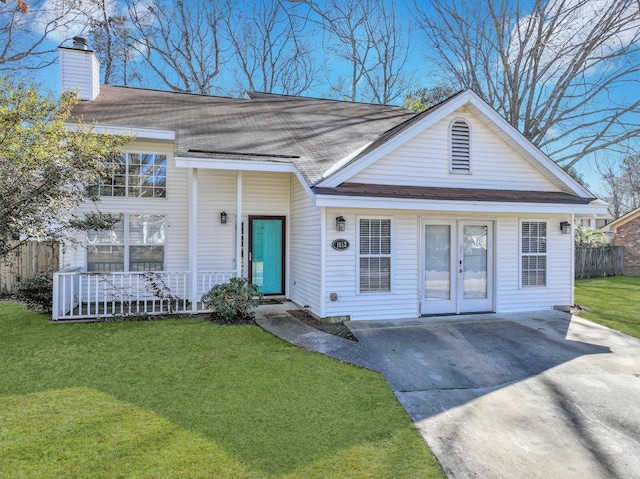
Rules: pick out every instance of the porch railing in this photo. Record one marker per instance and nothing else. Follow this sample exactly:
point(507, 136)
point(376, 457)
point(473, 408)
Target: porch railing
point(81, 295)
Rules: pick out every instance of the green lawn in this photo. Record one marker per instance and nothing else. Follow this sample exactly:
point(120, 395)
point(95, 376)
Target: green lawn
point(184, 398)
point(613, 302)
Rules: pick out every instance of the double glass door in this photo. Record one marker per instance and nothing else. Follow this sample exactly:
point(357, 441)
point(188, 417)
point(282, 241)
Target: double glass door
point(457, 267)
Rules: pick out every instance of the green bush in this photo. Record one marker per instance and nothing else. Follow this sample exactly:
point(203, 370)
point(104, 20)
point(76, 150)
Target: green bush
point(36, 291)
point(233, 301)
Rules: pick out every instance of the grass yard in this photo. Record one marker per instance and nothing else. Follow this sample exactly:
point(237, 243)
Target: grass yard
point(613, 302)
point(184, 398)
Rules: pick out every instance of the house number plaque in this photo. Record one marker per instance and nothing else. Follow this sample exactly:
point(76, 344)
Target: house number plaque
point(340, 244)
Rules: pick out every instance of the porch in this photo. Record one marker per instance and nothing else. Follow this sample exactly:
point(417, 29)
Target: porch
point(83, 295)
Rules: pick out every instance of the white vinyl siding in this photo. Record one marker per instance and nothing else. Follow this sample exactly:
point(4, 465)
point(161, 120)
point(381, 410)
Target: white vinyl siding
point(425, 161)
point(374, 246)
point(262, 194)
point(533, 253)
point(80, 69)
point(305, 249)
point(174, 208)
point(342, 269)
point(511, 296)
point(460, 144)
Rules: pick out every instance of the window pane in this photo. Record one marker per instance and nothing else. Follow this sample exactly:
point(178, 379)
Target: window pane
point(146, 258)
point(114, 236)
point(113, 181)
point(375, 274)
point(146, 230)
point(534, 248)
point(437, 274)
point(475, 274)
point(105, 259)
point(375, 251)
point(147, 175)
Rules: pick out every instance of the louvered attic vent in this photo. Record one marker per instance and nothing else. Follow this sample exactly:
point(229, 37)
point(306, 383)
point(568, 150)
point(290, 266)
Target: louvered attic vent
point(460, 156)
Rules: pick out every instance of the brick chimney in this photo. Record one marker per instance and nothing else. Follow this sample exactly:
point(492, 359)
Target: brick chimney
point(80, 69)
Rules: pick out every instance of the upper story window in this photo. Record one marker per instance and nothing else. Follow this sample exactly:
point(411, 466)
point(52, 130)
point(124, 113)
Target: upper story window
point(136, 175)
point(459, 140)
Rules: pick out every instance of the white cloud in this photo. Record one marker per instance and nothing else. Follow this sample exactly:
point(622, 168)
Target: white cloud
point(68, 18)
point(573, 26)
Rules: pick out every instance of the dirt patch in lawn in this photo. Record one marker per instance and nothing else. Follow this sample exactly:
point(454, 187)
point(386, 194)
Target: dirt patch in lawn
point(337, 329)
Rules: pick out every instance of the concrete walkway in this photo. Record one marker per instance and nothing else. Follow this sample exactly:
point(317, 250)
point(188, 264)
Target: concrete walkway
point(531, 395)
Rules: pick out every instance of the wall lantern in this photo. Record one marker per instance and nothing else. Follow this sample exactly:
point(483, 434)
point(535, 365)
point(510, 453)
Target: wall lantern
point(340, 223)
point(223, 218)
point(565, 227)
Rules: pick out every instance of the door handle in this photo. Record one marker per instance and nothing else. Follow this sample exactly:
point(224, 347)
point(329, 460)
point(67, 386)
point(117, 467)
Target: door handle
point(250, 257)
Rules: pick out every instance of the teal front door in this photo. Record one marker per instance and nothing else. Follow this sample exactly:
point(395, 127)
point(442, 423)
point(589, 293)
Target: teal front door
point(266, 258)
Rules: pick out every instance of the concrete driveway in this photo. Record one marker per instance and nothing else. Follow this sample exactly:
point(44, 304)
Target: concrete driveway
point(528, 395)
point(542, 395)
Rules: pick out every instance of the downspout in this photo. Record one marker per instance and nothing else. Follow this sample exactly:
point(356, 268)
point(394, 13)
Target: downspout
point(323, 262)
point(193, 239)
point(239, 224)
point(573, 260)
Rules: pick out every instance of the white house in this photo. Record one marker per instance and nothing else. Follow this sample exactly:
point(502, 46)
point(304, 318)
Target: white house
point(352, 210)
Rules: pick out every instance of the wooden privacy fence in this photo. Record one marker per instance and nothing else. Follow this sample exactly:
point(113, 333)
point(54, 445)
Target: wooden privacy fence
point(599, 262)
point(31, 258)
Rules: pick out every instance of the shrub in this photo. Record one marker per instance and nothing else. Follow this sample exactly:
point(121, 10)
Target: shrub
point(36, 291)
point(233, 301)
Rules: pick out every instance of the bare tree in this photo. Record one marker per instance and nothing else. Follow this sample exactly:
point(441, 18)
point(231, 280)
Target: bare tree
point(111, 40)
point(179, 42)
point(555, 69)
point(621, 182)
point(269, 48)
point(374, 48)
point(25, 29)
point(389, 79)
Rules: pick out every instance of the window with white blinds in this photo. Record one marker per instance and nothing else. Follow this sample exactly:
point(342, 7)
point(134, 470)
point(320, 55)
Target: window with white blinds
point(460, 147)
point(375, 254)
point(533, 253)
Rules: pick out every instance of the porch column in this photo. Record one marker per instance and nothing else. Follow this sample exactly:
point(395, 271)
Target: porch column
point(193, 239)
point(239, 224)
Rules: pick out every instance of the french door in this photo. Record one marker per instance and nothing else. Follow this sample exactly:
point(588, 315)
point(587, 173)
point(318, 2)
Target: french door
point(266, 253)
point(457, 266)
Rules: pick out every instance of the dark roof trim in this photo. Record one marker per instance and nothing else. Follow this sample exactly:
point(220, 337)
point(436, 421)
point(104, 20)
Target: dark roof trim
point(451, 194)
point(237, 153)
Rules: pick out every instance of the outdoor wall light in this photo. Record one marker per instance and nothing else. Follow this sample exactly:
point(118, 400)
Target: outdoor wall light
point(340, 223)
point(565, 227)
point(223, 218)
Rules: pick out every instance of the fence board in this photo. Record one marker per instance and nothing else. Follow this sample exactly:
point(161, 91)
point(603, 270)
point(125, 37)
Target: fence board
point(599, 262)
point(31, 258)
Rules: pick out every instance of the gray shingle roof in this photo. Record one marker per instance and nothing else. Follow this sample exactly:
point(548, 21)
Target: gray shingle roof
point(311, 133)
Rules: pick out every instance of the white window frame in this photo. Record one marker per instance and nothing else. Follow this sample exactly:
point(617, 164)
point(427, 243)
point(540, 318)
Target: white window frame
point(391, 254)
point(127, 183)
point(450, 133)
point(127, 244)
point(522, 254)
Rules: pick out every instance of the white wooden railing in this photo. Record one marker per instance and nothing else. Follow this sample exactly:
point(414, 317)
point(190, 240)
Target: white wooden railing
point(81, 295)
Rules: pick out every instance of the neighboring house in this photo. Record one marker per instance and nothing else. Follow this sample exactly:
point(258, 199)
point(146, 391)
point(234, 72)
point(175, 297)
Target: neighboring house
point(594, 220)
point(626, 232)
point(350, 210)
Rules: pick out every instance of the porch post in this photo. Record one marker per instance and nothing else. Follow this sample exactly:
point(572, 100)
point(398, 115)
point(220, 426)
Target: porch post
point(193, 239)
point(239, 224)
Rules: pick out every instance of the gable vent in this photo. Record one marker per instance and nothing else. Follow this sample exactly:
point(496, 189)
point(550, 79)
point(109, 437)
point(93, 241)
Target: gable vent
point(460, 151)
